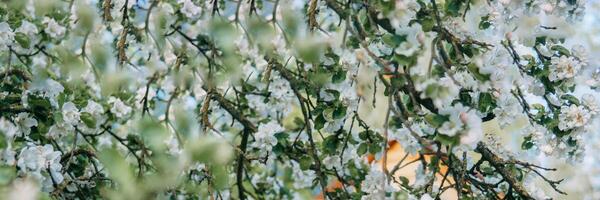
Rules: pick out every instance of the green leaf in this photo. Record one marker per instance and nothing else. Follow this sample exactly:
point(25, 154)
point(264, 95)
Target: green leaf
point(484, 23)
point(339, 76)
point(330, 144)
point(538, 106)
point(362, 149)
point(319, 122)
point(328, 114)
point(487, 170)
point(453, 7)
point(14, 20)
point(393, 40)
point(486, 102)
point(22, 39)
point(465, 97)
point(2, 141)
point(432, 89)
point(281, 136)
point(561, 50)
point(570, 99)
point(335, 93)
point(88, 120)
point(404, 180)
point(340, 112)
point(527, 143)
point(363, 135)
point(474, 69)
point(398, 81)
point(406, 60)
point(305, 162)
point(540, 40)
point(436, 120)
point(427, 24)
point(447, 140)
point(374, 148)
point(572, 2)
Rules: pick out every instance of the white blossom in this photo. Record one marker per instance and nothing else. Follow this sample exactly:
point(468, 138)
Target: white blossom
point(50, 89)
point(373, 184)
point(58, 130)
point(27, 28)
point(464, 122)
point(6, 35)
point(189, 9)
point(564, 68)
point(173, 146)
point(25, 123)
point(119, 109)
point(37, 159)
point(93, 108)
point(53, 29)
point(572, 117)
point(302, 178)
point(591, 103)
point(265, 136)
point(8, 128)
point(70, 113)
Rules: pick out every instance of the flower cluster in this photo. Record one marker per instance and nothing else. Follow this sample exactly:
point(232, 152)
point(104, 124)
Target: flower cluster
point(292, 99)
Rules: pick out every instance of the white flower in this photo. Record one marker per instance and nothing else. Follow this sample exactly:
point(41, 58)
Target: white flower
point(50, 89)
point(547, 149)
point(58, 130)
point(53, 29)
point(422, 177)
point(454, 123)
point(406, 140)
point(8, 156)
point(372, 185)
point(280, 88)
point(141, 94)
point(580, 52)
point(443, 91)
point(105, 141)
point(38, 159)
point(25, 123)
point(118, 107)
point(327, 96)
point(189, 9)
point(70, 113)
point(334, 125)
point(563, 68)
point(93, 108)
point(265, 137)
point(426, 197)
point(6, 35)
point(572, 117)
point(256, 102)
point(27, 28)
point(464, 122)
point(96, 111)
point(591, 103)
point(8, 128)
point(173, 146)
point(507, 109)
point(199, 175)
point(474, 132)
point(331, 162)
point(302, 178)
